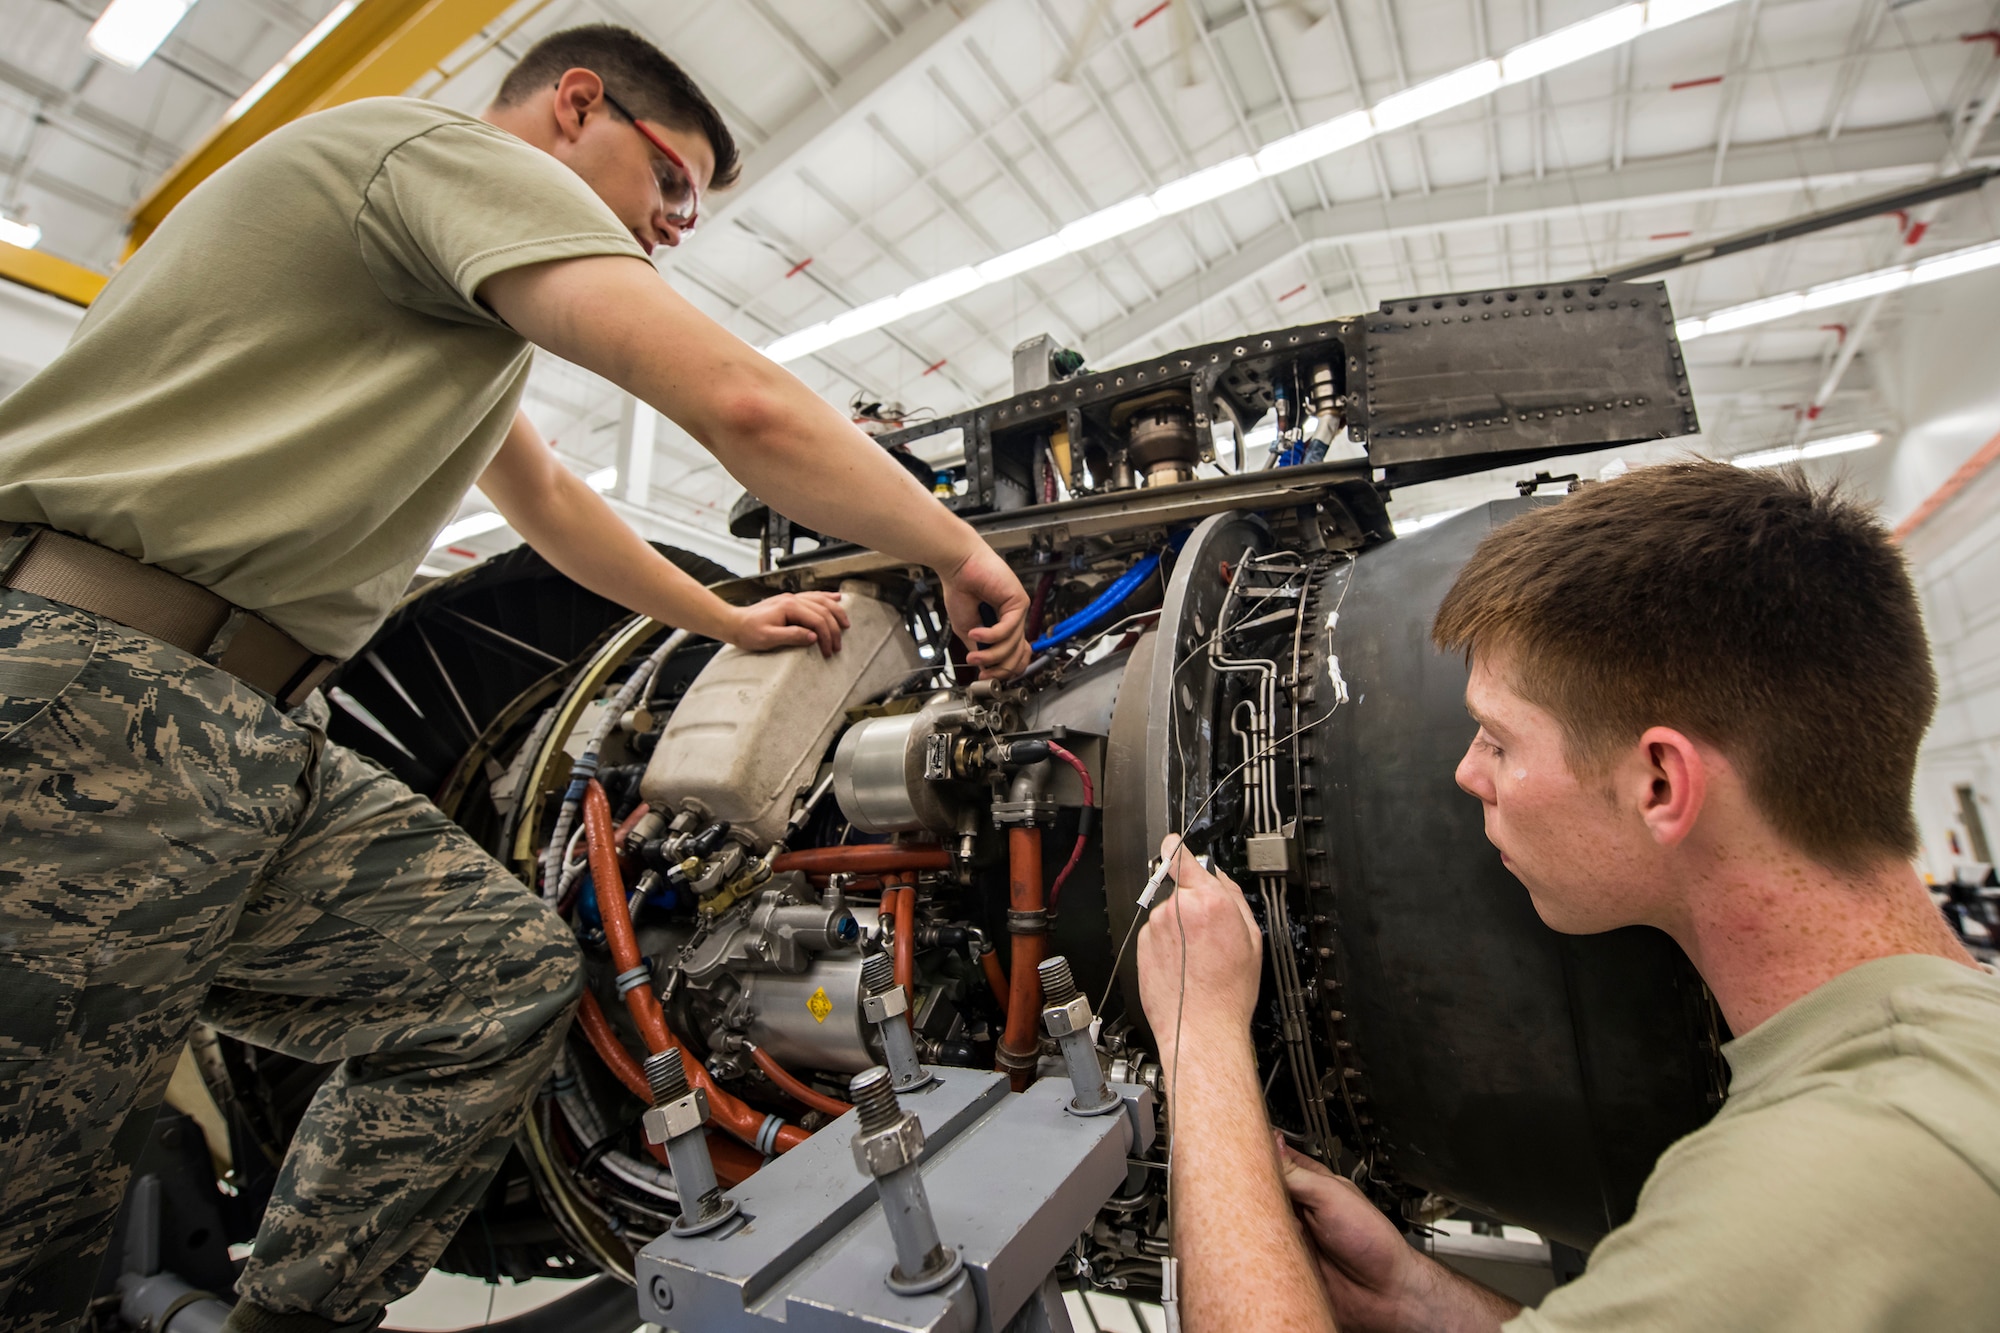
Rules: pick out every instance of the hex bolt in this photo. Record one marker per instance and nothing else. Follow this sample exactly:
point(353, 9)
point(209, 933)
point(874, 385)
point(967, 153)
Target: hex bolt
point(884, 1004)
point(887, 1146)
point(676, 1119)
point(1066, 1014)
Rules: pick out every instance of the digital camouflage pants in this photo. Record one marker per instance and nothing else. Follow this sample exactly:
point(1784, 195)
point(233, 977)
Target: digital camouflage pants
point(172, 845)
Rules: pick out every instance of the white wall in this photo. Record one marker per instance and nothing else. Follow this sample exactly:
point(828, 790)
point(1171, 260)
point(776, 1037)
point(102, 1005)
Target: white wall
point(1943, 378)
point(33, 328)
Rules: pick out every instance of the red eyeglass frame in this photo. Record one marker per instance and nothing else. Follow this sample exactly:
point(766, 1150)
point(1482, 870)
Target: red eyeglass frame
point(685, 224)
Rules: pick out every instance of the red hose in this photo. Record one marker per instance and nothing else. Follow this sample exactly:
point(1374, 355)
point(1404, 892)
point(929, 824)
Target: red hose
point(727, 1111)
point(792, 1087)
point(906, 940)
point(870, 857)
point(1021, 1041)
point(996, 979)
point(734, 1163)
point(1089, 801)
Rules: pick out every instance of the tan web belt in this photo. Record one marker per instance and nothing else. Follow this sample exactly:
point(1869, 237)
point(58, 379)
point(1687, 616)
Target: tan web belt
point(62, 568)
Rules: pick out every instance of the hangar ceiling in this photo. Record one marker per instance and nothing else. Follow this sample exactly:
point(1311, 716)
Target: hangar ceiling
point(890, 141)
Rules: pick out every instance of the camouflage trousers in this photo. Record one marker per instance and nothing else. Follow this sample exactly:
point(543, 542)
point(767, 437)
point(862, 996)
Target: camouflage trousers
point(173, 845)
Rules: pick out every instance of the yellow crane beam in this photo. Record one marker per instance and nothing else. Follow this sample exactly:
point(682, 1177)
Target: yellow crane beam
point(46, 273)
point(380, 48)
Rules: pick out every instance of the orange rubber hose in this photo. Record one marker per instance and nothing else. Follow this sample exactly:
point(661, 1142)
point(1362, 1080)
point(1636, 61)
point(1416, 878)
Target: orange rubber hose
point(867, 857)
point(906, 940)
point(727, 1111)
point(793, 1088)
point(1021, 1040)
point(996, 978)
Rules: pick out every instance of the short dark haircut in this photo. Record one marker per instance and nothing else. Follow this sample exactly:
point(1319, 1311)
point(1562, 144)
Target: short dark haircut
point(1752, 610)
point(637, 73)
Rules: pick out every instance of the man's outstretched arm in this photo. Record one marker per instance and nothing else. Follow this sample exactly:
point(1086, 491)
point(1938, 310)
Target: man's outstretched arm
point(1243, 1261)
point(613, 315)
point(581, 535)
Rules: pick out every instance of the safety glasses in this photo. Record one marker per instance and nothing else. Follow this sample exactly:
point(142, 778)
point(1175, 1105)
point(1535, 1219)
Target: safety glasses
point(676, 182)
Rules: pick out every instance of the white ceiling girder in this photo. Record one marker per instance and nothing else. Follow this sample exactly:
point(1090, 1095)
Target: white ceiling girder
point(844, 103)
point(1877, 157)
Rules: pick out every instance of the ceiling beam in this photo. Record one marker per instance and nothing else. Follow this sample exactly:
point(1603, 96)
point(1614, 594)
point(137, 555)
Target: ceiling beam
point(45, 273)
point(1779, 167)
point(380, 49)
point(843, 104)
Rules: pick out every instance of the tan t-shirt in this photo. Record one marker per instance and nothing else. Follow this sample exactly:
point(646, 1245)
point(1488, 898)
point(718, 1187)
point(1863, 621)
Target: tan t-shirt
point(1851, 1181)
point(288, 390)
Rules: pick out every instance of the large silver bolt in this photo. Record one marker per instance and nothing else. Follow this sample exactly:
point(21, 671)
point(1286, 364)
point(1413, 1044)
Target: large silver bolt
point(1066, 1014)
point(885, 1004)
point(887, 1147)
point(676, 1119)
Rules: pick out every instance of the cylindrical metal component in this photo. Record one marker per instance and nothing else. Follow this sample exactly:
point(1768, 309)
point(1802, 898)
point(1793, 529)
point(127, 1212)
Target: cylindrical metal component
point(885, 773)
point(920, 1251)
point(1161, 441)
point(666, 1075)
point(702, 1203)
point(887, 1008)
point(1066, 1014)
point(874, 1098)
point(1058, 985)
point(878, 974)
point(887, 1146)
point(812, 1019)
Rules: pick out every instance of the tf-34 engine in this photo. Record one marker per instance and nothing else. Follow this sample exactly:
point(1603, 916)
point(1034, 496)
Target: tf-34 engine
point(762, 854)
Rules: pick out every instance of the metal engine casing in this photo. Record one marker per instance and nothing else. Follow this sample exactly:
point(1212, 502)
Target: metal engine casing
point(754, 726)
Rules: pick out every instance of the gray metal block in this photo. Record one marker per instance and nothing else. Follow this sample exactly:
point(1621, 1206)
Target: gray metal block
point(1012, 1180)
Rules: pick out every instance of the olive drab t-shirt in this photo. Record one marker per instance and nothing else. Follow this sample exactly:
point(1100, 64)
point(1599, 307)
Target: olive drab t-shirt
point(1850, 1183)
point(286, 392)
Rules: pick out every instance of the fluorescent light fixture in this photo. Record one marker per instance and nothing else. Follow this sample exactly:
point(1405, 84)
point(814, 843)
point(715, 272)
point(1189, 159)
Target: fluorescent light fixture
point(603, 479)
point(470, 526)
point(129, 31)
point(24, 234)
point(1108, 222)
point(292, 57)
point(1969, 260)
point(1664, 13)
point(1032, 255)
point(1565, 46)
point(1310, 144)
point(1440, 94)
point(1796, 453)
point(936, 291)
point(1206, 184)
point(1841, 291)
point(1856, 289)
point(1755, 312)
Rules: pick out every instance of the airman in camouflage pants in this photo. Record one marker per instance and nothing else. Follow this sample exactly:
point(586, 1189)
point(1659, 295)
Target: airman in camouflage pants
point(172, 845)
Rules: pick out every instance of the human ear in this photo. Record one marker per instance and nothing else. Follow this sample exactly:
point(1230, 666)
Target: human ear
point(1676, 779)
point(578, 93)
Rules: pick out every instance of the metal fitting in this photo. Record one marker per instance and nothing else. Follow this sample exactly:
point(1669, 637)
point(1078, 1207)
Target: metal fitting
point(885, 1004)
point(1066, 1014)
point(676, 1119)
point(1063, 1019)
point(887, 1147)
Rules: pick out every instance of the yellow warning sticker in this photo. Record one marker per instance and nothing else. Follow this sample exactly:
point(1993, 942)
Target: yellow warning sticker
point(819, 1005)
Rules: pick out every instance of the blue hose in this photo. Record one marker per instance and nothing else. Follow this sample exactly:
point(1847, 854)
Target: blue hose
point(1102, 605)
